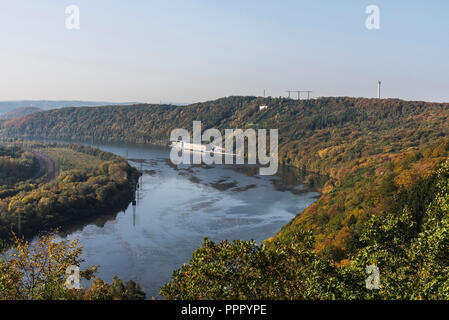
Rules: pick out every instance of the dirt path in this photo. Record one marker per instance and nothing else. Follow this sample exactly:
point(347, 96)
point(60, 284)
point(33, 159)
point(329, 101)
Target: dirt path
point(47, 167)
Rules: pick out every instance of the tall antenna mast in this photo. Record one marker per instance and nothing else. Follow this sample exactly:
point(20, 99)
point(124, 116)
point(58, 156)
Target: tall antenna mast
point(378, 89)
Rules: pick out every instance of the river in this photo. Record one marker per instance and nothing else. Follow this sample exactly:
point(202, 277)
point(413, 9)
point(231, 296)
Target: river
point(177, 207)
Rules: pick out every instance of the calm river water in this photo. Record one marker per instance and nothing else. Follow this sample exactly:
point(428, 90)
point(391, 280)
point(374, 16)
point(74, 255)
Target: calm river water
point(177, 208)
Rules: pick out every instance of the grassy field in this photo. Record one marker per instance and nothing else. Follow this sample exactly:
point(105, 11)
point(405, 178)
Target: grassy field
point(68, 159)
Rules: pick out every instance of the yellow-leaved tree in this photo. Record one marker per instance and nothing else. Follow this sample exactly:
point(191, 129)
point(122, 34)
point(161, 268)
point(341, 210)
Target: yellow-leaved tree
point(37, 271)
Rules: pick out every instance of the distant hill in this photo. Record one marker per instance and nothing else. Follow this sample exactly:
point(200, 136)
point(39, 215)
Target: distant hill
point(19, 112)
point(6, 106)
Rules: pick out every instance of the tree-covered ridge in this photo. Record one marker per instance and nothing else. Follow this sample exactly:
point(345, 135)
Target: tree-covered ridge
point(409, 244)
point(19, 112)
point(375, 185)
point(295, 119)
point(104, 184)
point(324, 135)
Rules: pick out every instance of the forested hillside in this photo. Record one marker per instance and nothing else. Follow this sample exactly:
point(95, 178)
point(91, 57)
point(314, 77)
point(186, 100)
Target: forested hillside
point(16, 165)
point(87, 183)
point(19, 112)
point(380, 157)
point(84, 183)
point(409, 244)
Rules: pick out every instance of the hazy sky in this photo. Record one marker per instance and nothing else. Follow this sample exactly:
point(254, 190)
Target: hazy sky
point(188, 51)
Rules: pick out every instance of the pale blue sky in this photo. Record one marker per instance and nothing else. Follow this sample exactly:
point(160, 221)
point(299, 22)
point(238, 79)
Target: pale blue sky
point(188, 51)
